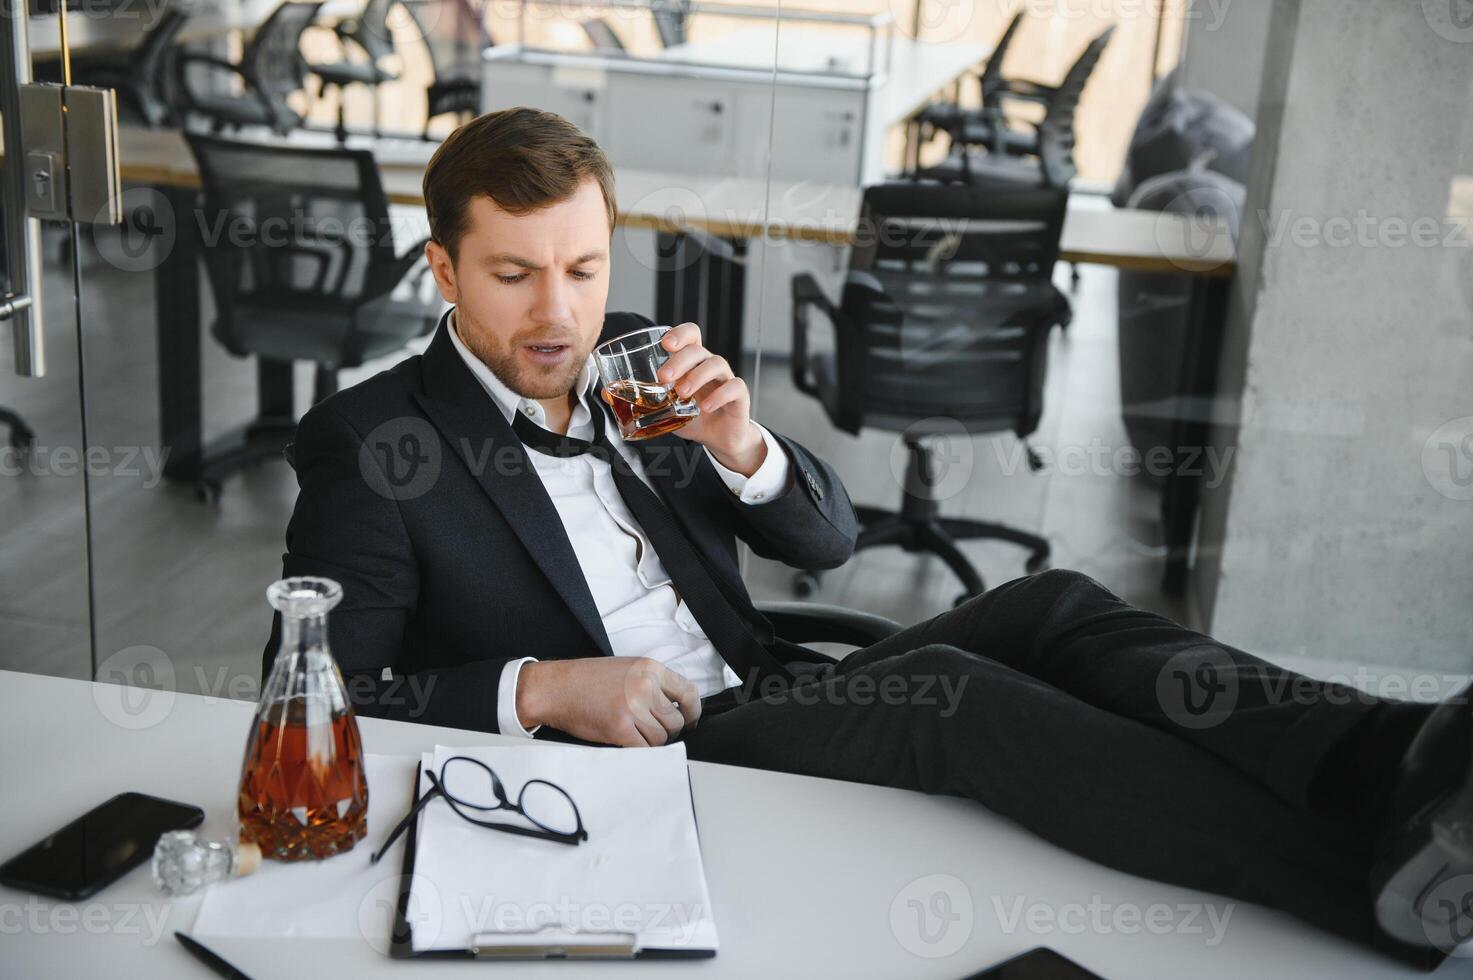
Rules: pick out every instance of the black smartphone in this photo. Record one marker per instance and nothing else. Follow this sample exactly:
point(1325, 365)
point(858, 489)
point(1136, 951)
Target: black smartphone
point(1036, 964)
point(99, 847)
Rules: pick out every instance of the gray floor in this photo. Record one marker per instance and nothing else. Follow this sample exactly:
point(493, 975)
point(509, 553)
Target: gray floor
point(187, 578)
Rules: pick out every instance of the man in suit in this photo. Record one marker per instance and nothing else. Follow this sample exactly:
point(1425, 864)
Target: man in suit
point(509, 563)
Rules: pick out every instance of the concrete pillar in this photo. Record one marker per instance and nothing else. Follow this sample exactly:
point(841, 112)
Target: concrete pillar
point(1344, 529)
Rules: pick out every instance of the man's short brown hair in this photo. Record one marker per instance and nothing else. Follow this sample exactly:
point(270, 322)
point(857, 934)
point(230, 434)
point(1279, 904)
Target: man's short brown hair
point(522, 159)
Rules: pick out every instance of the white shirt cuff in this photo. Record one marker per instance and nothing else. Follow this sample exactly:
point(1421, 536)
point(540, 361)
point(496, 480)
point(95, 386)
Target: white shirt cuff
point(772, 479)
point(507, 721)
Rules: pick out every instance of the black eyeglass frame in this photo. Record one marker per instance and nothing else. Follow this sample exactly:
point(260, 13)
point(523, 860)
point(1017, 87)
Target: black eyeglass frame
point(503, 802)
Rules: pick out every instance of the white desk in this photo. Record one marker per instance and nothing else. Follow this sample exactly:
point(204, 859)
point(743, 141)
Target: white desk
point(804, 873)
point(746, 207)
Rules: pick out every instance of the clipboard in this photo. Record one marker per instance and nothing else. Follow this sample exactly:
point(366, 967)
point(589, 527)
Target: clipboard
point(520, 946)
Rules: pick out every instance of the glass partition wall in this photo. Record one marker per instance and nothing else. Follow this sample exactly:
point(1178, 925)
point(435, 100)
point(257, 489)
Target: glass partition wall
point(45, 466)
point(1194, 368)
point(188, 519)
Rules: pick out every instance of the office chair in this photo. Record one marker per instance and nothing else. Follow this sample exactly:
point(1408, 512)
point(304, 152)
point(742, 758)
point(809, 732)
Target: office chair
point(455, 34)
point(270, 69)
point(141, 75)
point(944, 319)
point(601, 33)
point(369, 33)
point(304, 265)
point(671, 17)
point(940, 115)
point(1040, 156)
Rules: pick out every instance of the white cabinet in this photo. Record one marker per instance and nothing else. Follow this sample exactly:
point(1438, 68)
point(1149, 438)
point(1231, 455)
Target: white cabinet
point(676, 125)
point(817, 133)
point(576, 94)
point(686, 119)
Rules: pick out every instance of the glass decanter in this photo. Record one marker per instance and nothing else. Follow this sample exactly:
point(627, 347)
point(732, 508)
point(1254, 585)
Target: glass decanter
point(303, 791)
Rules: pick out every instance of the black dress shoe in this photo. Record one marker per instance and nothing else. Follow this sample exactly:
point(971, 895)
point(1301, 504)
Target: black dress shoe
point(1422, 878)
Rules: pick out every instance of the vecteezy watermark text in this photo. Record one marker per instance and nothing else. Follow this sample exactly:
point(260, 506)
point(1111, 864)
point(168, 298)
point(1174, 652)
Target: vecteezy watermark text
point(147, 462)
point(1099, 917)
point(37, 917)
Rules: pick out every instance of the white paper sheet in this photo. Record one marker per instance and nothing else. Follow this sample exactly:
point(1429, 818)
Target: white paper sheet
point(639, 872)
point(341, 897)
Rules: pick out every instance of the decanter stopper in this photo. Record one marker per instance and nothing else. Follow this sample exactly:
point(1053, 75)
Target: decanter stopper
point(183, 864)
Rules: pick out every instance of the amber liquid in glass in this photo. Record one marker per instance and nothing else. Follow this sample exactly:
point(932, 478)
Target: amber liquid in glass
point(293, 805)
point(634, 401)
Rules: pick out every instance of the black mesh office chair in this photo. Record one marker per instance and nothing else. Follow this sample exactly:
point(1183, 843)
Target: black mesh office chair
point(455, 34)
point(944, 319)
point(938, 116)
point(370, 33)
point(601, 33)
point(303, 265)
point(270, 69)
point(1038, 155)
point(142, 75)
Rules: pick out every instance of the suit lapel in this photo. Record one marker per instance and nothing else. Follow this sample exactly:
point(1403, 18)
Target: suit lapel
point(477, 432)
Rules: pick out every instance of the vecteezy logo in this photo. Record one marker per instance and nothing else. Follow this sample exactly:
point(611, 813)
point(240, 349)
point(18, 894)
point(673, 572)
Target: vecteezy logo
point(1447, 458)
point(1198, 688)
point(400, 459)
point(673, 209)
point(939, 21)
point(136, 689)
point(932, 916)
point(145, 238)
point(951, 460)
point(1450, 19)
point(1193, 226)
point(378, 912)
point(1447, 915)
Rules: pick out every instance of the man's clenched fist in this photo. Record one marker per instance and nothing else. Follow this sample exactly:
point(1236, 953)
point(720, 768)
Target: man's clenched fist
point(628, 701)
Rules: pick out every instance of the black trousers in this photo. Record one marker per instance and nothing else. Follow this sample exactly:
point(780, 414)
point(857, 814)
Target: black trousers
point(1108, 730)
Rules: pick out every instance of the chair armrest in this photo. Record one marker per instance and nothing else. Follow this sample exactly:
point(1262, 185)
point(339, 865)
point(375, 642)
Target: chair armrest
point(253, 86)
point(394, 274)
point(816, 622)
point(807, 292)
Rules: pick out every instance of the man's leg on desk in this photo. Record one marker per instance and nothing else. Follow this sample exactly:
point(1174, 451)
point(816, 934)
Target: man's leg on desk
point(1104, 729)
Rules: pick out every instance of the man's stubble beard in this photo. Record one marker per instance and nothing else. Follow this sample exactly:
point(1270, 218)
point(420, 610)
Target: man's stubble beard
point(504, 364)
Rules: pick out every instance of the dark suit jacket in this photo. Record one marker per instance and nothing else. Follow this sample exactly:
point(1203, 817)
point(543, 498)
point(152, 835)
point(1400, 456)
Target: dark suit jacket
point(418, 498)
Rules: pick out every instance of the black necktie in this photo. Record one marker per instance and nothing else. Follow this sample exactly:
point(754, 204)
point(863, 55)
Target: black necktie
point(731, 623)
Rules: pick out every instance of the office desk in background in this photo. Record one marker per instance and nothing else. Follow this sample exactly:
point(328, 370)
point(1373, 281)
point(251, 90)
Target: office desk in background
point(809, 877)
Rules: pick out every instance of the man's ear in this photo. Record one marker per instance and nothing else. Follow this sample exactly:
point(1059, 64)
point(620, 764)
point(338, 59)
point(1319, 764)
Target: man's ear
point(443, 270)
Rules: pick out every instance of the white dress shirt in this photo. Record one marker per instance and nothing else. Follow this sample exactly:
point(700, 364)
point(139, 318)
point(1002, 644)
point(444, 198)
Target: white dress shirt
point(642, 614)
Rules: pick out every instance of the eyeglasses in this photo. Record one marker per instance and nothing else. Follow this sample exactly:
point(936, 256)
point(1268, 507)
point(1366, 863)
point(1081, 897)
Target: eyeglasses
point(470, 785)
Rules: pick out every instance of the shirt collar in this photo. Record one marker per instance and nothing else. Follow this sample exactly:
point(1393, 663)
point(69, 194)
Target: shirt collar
point(510, 402)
